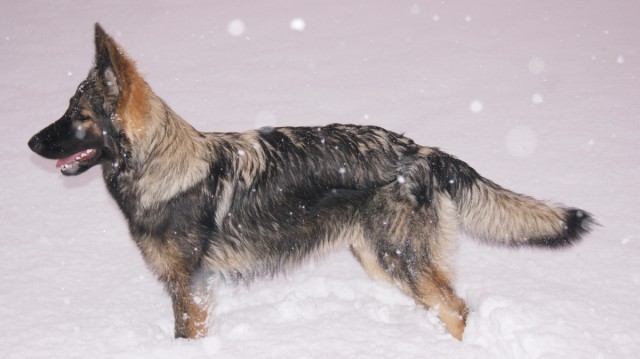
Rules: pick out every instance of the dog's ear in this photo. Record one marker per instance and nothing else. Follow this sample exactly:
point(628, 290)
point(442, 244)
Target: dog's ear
point(113, 67)
point(126, 93)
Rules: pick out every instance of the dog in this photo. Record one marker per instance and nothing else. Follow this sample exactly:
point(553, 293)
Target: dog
point(210, 207)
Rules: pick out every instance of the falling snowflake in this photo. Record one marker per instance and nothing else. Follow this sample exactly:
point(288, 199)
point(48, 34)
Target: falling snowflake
point(537, 66)
point(476, 106)
point(236, 27)
point(297, 24)
point(536, 98)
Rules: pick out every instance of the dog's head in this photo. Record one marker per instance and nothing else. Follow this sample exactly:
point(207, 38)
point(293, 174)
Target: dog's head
point(101, 114)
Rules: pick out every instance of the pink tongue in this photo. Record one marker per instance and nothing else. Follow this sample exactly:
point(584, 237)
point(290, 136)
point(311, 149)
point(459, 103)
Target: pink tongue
point(69, 159)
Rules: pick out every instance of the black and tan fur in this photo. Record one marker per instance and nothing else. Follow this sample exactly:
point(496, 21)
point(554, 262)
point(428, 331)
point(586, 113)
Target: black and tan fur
point(234, 206)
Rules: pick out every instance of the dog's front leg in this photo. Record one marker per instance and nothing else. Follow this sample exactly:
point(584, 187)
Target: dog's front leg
point(191, 305)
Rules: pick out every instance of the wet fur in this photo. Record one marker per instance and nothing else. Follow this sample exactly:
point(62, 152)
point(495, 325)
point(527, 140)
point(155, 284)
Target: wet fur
point(234, 206)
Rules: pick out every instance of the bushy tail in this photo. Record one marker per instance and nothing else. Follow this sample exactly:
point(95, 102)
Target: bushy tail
point(498, 216)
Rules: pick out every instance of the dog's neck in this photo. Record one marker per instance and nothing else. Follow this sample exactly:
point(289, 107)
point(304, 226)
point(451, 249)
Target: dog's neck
point(158, 168)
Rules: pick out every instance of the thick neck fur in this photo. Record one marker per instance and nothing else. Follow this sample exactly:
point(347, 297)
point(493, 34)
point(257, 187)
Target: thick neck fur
point(167, 155)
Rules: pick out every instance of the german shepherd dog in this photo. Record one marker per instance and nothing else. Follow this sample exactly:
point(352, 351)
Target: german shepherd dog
point(210, 207)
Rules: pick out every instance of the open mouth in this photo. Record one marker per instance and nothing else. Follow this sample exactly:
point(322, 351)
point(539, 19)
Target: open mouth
point(70, 165)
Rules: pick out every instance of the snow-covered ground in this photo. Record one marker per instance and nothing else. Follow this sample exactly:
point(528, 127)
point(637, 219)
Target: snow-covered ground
point(542, 97)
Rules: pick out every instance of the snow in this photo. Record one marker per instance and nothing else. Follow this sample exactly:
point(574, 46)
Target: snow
point(236, 27)
point(74, 285)
point(476, 106)
point(537, 98)
point(536, 65)
point(298, 24)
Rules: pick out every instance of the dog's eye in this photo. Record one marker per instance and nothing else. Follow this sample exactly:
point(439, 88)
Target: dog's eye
point(84, 118)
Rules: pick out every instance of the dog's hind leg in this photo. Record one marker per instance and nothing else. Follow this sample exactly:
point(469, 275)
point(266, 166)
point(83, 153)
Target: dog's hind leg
point(430, 282)
point(432, 289)
point(429, 287)
point(412, 249)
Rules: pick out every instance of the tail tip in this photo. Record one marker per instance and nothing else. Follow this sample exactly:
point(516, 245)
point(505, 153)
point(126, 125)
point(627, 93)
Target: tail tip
point(577, 223)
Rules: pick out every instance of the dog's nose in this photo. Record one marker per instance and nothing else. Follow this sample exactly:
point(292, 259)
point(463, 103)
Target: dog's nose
point(35, 144)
